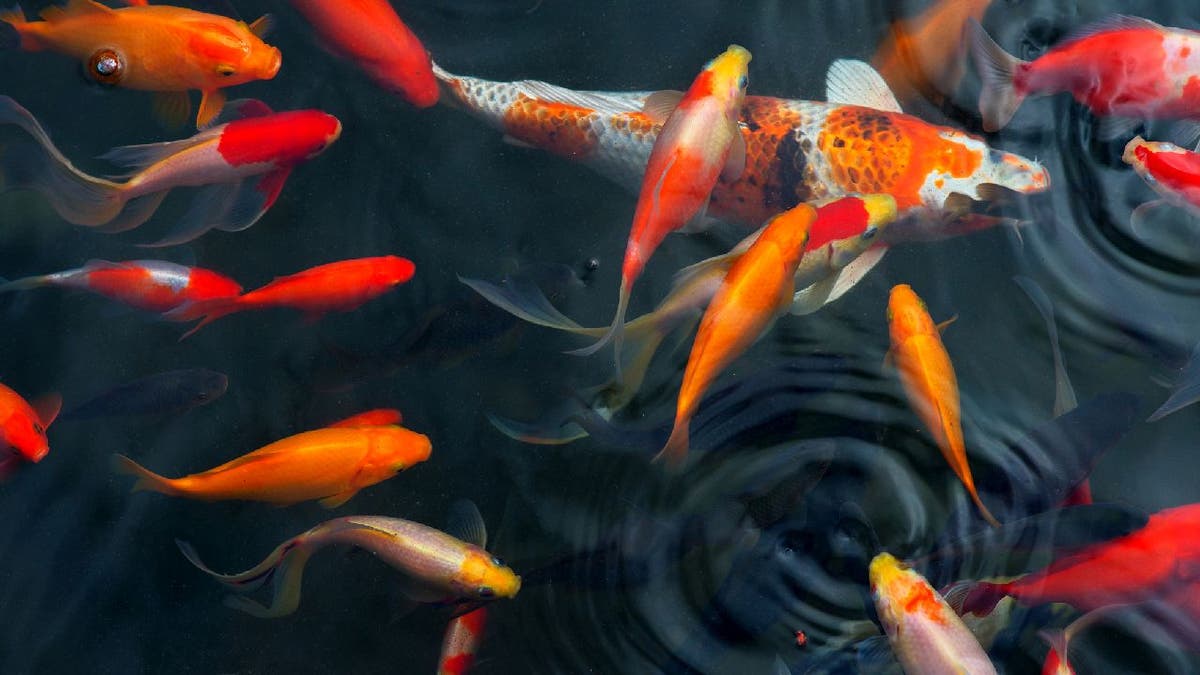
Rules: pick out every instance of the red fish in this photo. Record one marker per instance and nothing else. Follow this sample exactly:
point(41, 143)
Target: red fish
point(369, 33)
point(1174, 173)
point(334, 287)
point(463, 636)
point(1123, 67)
point(239, 166)
point(23, 428)
point(149, 285)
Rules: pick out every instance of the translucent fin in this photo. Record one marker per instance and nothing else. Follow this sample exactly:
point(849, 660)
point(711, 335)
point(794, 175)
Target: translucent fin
point(209, 206)
point(251, 199)
point(537, 433)
point(1186, 391)
point(544, 91)
point(998, 101)
point(1139, 216)
point(334, 501)
point(1112, 127)
point(614, 334)
point(464, 522)
point(852, 82)
point(527, 302)
point(1186, 134)
point(135, 214)
point(262, 26)
point(143, 155)
point(147, 479)
point(1064, 394)
point(47, 407)
point(659, 105)
point(211, 103)
point(1108, 24)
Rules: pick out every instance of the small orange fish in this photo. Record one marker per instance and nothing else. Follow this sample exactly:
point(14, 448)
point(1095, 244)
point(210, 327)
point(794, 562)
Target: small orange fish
point(23, 428)
point(756, 289)
point(929, 381)
point(330, 464)
point(170, 50)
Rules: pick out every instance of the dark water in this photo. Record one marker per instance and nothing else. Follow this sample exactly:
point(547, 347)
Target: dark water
point(627, 569)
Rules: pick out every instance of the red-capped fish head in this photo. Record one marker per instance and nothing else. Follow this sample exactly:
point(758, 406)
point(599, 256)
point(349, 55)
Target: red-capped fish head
point(205, 284)
point(25, 434)
point(907, 315)
point(393, 271)
point(725, 77)
point(281, 139)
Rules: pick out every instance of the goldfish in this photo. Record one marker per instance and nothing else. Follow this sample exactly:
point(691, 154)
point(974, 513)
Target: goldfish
point(23, 428)
point(330, 464)
point(340, 286)
point(240, 167)
point(756, 289)
point(925, 634)
point(149, 285)
point(170, 50)
point(166, 393)
point(858, 141)
point(440, 567)
point(369, 33)
point(699, 141)
point(378, 417)
point(1172, 172)
point(924, 56)
point(1125, 68)
point(464, 633)
point(929, 381)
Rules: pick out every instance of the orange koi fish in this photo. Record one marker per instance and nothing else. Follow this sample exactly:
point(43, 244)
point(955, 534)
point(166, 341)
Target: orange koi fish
point(926, 635)
point(929, 381)
point(330, 464)
point(23, 428)
point(858, 142)
point(924, 56)
point(439, 567)
point(699, 142)
point(340, 286)
point(170, 50)
point(369, 33)
point(756, 289)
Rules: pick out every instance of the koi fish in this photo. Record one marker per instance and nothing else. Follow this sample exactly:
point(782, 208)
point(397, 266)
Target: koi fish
point(369, 33)
point(23, 428)
point(1125, 68)
point(240, 166)
point(330, 464)
point(924, 56)
point(340, 286)
point(796, 151)
point(1171, 171)
point(167, 393)
point(379, 417)
point(464, 634)
point(929, 381)
point(756, 290)
point(699, 142)
point(924, 632)
point(440, 567)
point(149, 285)
point(170, 50)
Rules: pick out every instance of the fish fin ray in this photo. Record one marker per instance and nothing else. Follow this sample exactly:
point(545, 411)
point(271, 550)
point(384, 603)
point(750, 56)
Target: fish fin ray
point(1114, 22)
point(334, 501)
point(659, 105)
point(47, 407)
point(137, 212)
point(211, 103)
point(209, 206)
point(528, 303)
point(1112, 127)
point(595, 101)
point(262, 26)
point(144, 154)
point(464, 522)
point(853, 82)
point(998, 101)
point(252, 199)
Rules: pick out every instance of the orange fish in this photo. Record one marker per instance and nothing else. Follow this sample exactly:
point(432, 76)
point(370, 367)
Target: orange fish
point(23, 428)
point(756, 289)
point(925, 56)
point(169, 50)
point(330, 464)
point(929, 381)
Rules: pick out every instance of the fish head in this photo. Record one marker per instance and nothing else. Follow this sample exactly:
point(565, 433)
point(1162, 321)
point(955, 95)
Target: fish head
point(485, 577)
point(210, 386)
point(789, 230)
point(229, 55)
point(26, 434)
point(1139, 151)
point(963, 162)
point(907, 315)
point(1012, 171)
point(727, 77)
point(392, 449)
point(899, 591)
point(393, 270)
point(206, 284)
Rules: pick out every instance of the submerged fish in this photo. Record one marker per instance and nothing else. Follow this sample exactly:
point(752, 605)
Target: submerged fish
point(369, 33)
point(150, 285)
point(464, 634)
point(439, 567)
point(239, 166)
point(1123, 67)
point(1056, 662)
point(699, 142)
point(1171, 171)
point(926, 635)
point(330, 464)
point(166, 393)
point(924, 56)
point(23, 428)
point(796, 151)
point(156, 48)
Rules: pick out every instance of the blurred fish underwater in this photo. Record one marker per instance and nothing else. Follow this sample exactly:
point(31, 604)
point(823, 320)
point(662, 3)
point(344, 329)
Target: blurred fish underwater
point(443, 194)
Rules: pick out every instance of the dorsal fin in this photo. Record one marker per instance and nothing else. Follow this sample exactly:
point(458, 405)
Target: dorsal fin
point(598, 102)
point(851, 82)
point(262, 26)
point(73, 8)
point(464, 522)
point(1108, 24)
point(139, 156)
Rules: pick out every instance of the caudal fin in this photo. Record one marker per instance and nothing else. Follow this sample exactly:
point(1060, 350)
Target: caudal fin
point(146, 479)
point(285, 565)
point(23, 284)
point(615, 332)
point(997, 98)
point(676, 449)
point(526, 301)
point(78, 197)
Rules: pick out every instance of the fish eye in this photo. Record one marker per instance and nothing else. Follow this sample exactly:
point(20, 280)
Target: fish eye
point(39, 428)
point(743, 81)
point(497, 561)
point(485, 592)
point(226, 70)
point(106, 67)
point(870, 233)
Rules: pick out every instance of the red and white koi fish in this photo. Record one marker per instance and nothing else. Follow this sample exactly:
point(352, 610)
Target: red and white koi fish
point(149, 285)
point(1171, 171)
point(796, 151)
point(699, 142)
point(340, 286)
point(240, 167)
point(927, 637)
point(464, 634)
point(1123, 67)
point(23, 428)
point(369, 33)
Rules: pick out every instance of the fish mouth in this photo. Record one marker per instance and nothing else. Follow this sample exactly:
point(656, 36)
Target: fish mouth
point(272, 65)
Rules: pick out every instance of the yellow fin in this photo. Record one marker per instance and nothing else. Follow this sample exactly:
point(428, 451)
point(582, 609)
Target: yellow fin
point(334, 501)
point(73, 8)
point(210, 106)
point(172, 108)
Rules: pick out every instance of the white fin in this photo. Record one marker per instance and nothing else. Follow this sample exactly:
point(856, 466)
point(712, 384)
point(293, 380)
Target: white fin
point(1186, 134)
point(140, 156)
point(1107, 24)
point(544, 91)
point(853, 82)
point(464, 522)
point(812, 298)
point(1113, 127)
point(735, 164)
point(1137, 219)
point(855, 271)
point(659, 105)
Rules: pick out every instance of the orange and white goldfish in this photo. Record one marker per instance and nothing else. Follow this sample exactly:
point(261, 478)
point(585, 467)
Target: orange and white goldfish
point(464, 634)
point(925, 55)
point(440, 567)
point(23, 428)
point(330, 464)
point(1171, 171)
point(926, 636)
point(859, 142)
point(159, 48)
point(929, 381)
point(699, 142)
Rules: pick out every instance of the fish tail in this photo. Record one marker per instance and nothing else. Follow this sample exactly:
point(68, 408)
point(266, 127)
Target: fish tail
point(615, 332)
point(78, 197)
point(980, 598)
point(13, 20)
point(998, 99)
point(23, 284)
point(527, 302)
point(285, 565)
point(146, 479)
point(207, 311)
point(983, 510)
point(676, 449)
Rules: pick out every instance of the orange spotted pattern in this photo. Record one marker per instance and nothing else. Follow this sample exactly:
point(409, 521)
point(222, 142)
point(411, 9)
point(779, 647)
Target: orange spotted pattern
point(873, 151)
point(636, 124)
point(562, 129)
point(920, 598)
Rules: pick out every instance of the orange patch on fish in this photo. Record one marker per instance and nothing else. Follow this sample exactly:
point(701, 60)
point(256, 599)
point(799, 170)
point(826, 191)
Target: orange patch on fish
point(921, 599)
point(560, 128)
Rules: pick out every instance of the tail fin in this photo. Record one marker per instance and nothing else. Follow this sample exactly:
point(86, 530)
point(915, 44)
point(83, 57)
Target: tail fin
point(285, 565)
point(23, 284)
point(676, 449)
point(146, 479)
point(527, 302)
point(615, 332)
point(78, 197)
point(981, 598)
point(207, 311)
point(997, 98)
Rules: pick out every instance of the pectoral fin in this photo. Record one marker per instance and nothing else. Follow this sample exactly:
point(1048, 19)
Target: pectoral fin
point(735, 164)
point(211, 103)
point(334, 501)
point(172, 108)
point(941, 327)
